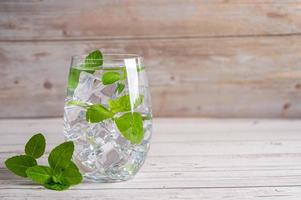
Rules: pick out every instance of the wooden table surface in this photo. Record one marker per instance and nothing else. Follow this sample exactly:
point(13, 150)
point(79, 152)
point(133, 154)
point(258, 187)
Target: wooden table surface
point(189, 159)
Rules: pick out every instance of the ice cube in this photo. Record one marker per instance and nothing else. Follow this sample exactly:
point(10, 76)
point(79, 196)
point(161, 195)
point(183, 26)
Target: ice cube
point(75, 132)
point(110, 157)
point(85, 156)
point(88, 88)
point(75, 124)
point(109, 90)
point(97, 134)
point(73, 115)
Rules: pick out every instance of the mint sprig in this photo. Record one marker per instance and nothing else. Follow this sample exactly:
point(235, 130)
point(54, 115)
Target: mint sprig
point(130, 124)
point(60, 175)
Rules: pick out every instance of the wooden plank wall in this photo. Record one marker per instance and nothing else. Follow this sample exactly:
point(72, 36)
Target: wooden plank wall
point(205, 58)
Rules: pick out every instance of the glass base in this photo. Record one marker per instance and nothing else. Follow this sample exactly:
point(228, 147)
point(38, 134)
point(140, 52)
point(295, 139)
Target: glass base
point(102, 179)
point(111, 176)
point(117, 173)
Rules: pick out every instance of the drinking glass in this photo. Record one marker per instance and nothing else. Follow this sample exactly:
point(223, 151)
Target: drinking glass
point(108, 116)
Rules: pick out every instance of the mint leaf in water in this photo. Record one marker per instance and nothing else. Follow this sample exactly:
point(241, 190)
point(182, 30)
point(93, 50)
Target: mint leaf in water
point(94, 59)
point(40, 174)
point(120, 87)
point(110, 77)
point(77, 103)
point(123, 103)
point(19, 164)
point(97, 113)
point(131, 127)
point(73, 78)
point(35, 147)
point(59, 158)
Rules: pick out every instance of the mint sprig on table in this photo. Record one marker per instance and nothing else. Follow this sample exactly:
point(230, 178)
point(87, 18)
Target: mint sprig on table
point(61, 172)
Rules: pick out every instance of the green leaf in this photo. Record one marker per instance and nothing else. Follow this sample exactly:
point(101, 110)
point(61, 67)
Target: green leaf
point(59, 158)
point(120, 87)
point(123, 104)
point(110, 77)
point(40, 174)
point(97, 113)
point(71, 176)
point(77, 103)
point(73, 78)
point(56, 186)
point(35, 147)
point(131, 127)
point(19, 164)
point(94, 59)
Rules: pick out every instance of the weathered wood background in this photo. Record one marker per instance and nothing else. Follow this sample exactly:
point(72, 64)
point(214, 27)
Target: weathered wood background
point(217, 58)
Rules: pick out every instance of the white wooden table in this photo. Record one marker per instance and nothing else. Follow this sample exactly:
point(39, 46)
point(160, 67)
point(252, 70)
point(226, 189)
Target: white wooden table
point(189, 159)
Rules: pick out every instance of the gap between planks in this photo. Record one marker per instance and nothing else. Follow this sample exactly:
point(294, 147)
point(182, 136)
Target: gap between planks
point(172, 37)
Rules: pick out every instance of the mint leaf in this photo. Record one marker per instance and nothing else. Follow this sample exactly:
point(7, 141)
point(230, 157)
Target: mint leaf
point(110, 77)
point(77, 103)
point(56, 186)
point(40, 174)
point(131, 127)
point(71, 176)
point(123, 104)
point(19, 164)
point(74, 77)
point(120, 87)
point(59, 158)
point(97, 113)
point(94, 59)
point(35, 147)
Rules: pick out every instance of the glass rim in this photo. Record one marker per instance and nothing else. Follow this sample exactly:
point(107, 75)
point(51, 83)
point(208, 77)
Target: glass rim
point(109, 56)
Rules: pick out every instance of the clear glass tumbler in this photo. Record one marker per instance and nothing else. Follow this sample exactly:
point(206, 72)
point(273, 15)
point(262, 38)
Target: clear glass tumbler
point(108, 116)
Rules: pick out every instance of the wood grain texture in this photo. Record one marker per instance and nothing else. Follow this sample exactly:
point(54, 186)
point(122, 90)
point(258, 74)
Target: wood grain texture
point(217, 58)
point(247, 77)
point(49, 20)
point(213, 159)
